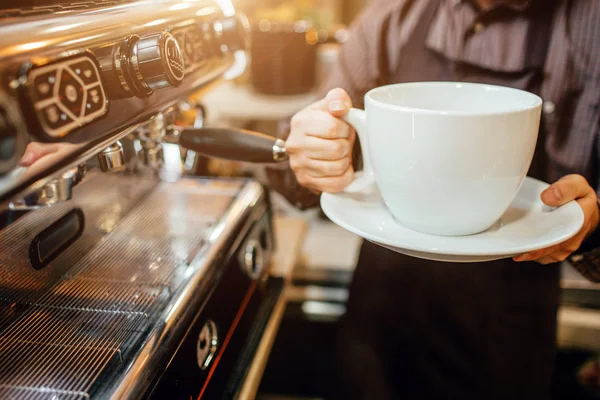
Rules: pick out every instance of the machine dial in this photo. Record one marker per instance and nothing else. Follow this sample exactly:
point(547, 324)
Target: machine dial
point(157, 61)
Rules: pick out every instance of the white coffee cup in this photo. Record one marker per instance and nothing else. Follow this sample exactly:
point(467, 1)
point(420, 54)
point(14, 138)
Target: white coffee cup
point(448, 158)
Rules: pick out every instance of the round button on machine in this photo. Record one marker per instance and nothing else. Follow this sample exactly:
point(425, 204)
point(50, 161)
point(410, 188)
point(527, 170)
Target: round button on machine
point(95, 100)
point(44, 85)
point(194, 44)
point(70, 92)
point(54, 117)
point(85, 71)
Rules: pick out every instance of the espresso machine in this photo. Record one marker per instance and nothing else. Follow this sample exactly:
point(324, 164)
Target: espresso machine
point(122, 274)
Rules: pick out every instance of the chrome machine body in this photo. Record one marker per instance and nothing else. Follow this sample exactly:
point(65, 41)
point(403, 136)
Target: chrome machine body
point(122, 276)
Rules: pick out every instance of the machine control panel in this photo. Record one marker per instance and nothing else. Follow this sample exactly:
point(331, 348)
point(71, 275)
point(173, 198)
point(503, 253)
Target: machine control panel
point(194, 48)
point(70, 92)
point(67, 94)
point(208, 39)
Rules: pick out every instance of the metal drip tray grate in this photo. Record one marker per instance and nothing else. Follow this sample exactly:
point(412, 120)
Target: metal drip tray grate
point(62, 349)
point(71, 328)
point(40, 366)
point(181, 213)
point(108, 198)
point(104, 201)
point(84, 294)
point(66, 327)
point(138, 260)
point(39, 394)
point(20, 282)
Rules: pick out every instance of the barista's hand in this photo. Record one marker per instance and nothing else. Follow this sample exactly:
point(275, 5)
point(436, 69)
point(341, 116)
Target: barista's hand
point(320, 144)
point(570, 187)
point(36, 151)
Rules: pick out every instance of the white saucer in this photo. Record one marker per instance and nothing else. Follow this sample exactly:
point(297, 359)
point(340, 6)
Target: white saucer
point(526, 226)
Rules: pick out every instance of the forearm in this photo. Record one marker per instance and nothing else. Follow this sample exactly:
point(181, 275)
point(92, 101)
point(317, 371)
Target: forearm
point(282, 179)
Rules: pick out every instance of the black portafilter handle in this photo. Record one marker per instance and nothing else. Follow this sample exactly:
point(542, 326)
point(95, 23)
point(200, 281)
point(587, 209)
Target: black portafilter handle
point(234, 144)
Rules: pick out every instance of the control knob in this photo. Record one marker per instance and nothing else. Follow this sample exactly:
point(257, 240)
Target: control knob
point(140, 65)
point(157, 61)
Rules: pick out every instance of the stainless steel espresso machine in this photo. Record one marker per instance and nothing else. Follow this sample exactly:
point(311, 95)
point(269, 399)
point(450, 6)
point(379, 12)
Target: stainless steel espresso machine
point(121, 275)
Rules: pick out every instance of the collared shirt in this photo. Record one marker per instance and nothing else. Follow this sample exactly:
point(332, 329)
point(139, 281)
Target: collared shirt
point(497, 42)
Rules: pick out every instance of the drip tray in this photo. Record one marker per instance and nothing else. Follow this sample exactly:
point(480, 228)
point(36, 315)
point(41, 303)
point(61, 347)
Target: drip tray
point(39, 394)
point(116, 297)
point(62, 349)
point(139, 260)
point(75, 324)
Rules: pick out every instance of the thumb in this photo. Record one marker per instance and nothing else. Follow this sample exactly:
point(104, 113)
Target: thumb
point(337, 103)
point(567, 188)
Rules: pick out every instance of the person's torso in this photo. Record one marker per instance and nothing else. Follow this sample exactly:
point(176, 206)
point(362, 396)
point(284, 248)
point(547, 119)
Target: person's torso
point(552, 49)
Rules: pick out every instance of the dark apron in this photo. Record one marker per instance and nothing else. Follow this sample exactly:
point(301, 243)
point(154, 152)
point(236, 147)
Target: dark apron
point(417, 329)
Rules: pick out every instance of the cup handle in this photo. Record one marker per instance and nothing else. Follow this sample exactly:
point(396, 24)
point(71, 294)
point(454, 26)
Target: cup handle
point(364, 180)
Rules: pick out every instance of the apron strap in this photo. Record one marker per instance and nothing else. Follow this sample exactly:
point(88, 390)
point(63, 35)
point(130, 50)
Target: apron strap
point(538, 45)
point(538, 42)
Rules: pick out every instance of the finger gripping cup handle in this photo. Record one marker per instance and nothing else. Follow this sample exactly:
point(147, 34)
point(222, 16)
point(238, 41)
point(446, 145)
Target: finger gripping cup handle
point(358, 120)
